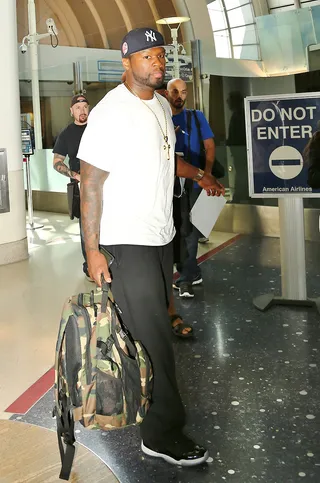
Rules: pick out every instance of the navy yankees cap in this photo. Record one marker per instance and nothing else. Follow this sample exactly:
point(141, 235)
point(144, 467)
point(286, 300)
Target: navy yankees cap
point(141, 39)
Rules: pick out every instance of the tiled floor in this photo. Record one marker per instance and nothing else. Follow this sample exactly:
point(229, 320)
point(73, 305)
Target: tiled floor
point(250, 380)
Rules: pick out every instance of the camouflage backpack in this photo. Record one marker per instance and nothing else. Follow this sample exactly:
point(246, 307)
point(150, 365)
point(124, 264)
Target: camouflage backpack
point(103, 378)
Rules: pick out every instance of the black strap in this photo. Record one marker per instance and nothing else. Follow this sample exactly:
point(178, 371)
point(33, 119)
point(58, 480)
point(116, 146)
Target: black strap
point(105, 294)
point(122, 332)
point(130, 345)
point(67, 458)
point(217, 168)
point(65, 433)
point(202, 152)
point(189, 123)
point(188, 185)
point(191, 113)
point(194, 112)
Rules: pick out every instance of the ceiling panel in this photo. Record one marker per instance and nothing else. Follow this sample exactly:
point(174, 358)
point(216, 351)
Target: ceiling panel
point(89, 26)
point(112, 22)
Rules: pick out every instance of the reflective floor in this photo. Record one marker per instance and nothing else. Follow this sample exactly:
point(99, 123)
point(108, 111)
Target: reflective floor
point(250, 381)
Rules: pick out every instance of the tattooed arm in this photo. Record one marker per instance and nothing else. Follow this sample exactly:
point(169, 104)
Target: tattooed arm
point(91, 192)
point(60, 166)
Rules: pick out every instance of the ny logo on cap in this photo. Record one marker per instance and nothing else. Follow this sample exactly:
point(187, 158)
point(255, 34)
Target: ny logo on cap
point(151, 36)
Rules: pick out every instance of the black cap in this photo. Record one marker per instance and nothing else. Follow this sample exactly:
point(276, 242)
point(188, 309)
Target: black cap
point(79, 98)
point(141, 39)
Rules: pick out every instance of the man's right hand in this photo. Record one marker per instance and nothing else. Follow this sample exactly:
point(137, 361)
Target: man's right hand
point(76, 176)
point(212, 186)
point(97, 265)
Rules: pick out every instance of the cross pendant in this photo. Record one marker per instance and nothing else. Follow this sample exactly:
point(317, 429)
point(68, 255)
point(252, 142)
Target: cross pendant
point(167, 147)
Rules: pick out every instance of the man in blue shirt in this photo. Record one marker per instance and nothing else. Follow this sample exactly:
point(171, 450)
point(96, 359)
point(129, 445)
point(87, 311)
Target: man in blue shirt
point(193, 134)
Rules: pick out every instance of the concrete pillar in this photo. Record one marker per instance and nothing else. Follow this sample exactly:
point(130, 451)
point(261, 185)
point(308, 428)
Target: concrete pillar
point(13, 240)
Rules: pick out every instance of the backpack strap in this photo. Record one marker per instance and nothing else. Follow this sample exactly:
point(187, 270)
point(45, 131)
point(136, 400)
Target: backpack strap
point(65, 433)
point(65, 424)
point(194, 112)
point(202, 153)
point(189, 123)
point(188, 186)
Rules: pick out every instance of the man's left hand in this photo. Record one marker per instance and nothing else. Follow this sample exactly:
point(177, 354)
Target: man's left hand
point(211, 185)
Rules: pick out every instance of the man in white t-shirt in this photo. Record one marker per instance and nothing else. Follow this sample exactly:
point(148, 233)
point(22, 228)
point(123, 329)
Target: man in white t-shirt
point(127, 173)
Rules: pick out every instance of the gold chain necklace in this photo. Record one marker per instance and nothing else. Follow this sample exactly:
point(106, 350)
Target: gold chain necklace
point(166, 146)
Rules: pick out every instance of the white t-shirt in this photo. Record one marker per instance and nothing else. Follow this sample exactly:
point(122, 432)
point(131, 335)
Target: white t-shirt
point(123, 138)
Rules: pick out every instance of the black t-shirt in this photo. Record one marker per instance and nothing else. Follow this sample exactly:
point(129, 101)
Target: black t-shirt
point(68, 142)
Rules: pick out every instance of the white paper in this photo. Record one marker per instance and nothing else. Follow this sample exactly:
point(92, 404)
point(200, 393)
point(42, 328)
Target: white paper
point(206, 211)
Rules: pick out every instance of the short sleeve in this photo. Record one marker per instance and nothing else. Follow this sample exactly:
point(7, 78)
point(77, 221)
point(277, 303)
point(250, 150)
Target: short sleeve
point(99, 138)
point(61, 146)
point(206, 130)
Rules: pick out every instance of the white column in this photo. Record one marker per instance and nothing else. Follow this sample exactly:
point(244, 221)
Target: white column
point(176, 70)
point(33, 52)
point(13, 241)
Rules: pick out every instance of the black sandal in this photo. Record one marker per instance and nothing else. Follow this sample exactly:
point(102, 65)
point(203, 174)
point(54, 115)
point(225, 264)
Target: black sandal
point(179, 328)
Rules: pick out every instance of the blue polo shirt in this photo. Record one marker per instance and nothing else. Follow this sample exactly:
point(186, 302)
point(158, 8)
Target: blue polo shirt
point(195, 142)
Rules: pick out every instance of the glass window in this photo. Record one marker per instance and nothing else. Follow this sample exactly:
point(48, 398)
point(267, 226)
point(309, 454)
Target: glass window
point(218, 19)
point(282, 9)
point(282, 33)
point(315, 14)
point(233, 25)
point(244, 35)
point(222, 44)
point(217, 15)
point(307, 3)
point(235, 3)
point(248, 52)
point(240, 16)
point(215, 5)
point(280, 3)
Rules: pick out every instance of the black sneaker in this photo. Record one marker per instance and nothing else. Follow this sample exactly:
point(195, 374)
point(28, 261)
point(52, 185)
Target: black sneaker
point(186, 290)
point(197, 281)
point(192, 456)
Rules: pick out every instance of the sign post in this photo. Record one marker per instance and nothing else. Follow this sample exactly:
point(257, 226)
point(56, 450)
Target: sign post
point(278, 130)
point(27, 150)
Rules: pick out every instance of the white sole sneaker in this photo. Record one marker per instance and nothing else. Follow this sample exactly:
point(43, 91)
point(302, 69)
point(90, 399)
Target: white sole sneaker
point(186, 295)
point(173, 461)
point(197, 282)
